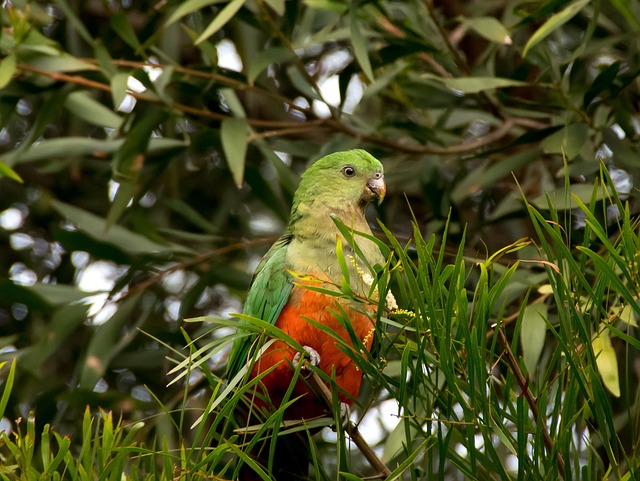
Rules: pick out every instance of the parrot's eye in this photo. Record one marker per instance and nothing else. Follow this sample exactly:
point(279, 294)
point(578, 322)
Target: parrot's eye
point(348, 171)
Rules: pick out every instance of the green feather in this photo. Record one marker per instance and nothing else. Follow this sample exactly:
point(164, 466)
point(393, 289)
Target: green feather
point(269, 291)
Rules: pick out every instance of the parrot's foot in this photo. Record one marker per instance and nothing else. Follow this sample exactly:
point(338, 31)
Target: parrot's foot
point(313, 359)
point(345, 414)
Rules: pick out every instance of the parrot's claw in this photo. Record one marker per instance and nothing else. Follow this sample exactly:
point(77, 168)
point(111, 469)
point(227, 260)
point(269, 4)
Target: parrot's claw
point(345, 414)
point(313, 359)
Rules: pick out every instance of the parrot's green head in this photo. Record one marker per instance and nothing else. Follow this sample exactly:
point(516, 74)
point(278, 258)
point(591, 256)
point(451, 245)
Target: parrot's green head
point(342, 181)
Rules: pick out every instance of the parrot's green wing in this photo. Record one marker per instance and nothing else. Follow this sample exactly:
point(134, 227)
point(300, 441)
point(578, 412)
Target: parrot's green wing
point(269, 292)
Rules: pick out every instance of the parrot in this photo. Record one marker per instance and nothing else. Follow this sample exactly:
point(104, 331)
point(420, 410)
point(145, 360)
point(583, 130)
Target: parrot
point(339, 185)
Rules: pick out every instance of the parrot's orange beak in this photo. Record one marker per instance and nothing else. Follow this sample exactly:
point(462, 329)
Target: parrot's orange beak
point(377, 187)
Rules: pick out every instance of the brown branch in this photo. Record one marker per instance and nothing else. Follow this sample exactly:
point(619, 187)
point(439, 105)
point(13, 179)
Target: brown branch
point(289, 127)
point(494, 136)
point(236, 84)
point(531, 400)
point(145, 284)
point(351, 429)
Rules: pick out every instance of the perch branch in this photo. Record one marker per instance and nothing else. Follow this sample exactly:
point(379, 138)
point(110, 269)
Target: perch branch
point(351, 429)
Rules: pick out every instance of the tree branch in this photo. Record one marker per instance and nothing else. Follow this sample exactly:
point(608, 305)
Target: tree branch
point(289, 127)
point(531, 400)
point(351, 429)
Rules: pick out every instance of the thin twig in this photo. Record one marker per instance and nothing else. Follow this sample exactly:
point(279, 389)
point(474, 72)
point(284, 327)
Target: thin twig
point(142, 286)
point(351, 429)
point(531, 400)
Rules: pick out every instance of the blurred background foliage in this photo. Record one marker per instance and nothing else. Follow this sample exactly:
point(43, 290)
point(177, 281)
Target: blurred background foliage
point(150, 149)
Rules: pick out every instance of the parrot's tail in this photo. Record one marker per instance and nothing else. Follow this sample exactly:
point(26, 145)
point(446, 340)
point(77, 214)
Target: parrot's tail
point(290, 462)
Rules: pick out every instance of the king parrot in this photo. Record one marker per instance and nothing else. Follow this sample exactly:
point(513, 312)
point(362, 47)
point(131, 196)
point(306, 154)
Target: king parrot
point(339, 185)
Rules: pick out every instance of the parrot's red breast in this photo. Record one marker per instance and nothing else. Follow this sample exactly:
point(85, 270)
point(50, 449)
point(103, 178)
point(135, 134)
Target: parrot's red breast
point(304, 303)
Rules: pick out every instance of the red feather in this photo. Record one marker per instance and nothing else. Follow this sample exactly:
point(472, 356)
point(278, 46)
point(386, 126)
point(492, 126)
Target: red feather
point(305, 303)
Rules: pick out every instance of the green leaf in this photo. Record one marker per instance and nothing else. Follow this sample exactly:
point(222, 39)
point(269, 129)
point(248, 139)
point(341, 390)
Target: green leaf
point(628, 316)
point(57, 294)
point(119, 88)
point(562, 199)
point(7, 386)
point(122, 25)
point(622, 154)
point(85, 107)
point(532, 334)
point(7, 171)
point(7, 69)
point(471, 85)
point(301, 83)
point(65, 320)
point(221, 19)
point(567, 141)
point(606, 361)
point(106, 343)
point(65, 147)
point(359, 45)
point(555, 22)
point(275, 55)
point(630, 16)
point(327, 5)
point(487, 176)
point(98, 228)
point(277, 5)
point(71, 17)
point(60, 63)
point(234, 103)
point(234, 134)
point(489, 28)
point(187, 8)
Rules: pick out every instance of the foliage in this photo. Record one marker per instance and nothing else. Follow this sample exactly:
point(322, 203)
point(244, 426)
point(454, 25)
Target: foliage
point(149, 151)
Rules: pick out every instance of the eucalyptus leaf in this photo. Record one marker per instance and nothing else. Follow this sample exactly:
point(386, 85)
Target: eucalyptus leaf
point(7, 69)
point(489, 28)
point(274, 55)
point(119, 236)
point(234, 133)
point(472, 85)
point(85, 107)
point(606, 361)
point(553, 23)
point(188, 7)
point(533, 334)
point(221, 19)
point(567, 141)
point(359, 43)
point(7, 171)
